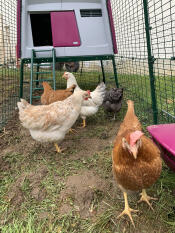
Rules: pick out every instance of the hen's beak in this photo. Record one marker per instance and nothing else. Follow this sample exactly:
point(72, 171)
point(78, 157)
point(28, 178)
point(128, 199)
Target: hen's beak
point(134, 152)
point(65, 76)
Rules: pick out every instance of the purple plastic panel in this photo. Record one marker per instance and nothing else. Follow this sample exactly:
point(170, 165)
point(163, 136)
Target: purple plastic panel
point(112, 26)
point(165, 135)
point(18, 47)
point(64, 29)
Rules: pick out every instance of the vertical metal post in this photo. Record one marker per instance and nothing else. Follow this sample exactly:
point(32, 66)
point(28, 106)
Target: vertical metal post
point(31, 76)
point(53, 68)
point(115, 71)
point(150, 62)
point(21, 79)
point(103, 72)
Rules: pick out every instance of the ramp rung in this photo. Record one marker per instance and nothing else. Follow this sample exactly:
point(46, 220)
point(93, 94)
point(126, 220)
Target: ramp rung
point(40, 51)
point(43, 72)
point(36, 97)
point(42, 80)
point(47, 64)
point(38, 88)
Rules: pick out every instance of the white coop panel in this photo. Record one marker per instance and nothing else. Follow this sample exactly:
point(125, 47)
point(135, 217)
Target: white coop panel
point(72, 27)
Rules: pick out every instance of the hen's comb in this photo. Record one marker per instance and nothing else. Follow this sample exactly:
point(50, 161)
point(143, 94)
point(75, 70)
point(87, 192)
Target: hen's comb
point(135, 136)
point(88, 91)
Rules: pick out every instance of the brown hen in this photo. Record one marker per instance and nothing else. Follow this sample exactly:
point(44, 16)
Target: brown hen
point(50, 96)
point(136, 160)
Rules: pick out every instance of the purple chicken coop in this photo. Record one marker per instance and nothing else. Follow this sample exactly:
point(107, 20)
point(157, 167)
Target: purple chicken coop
point(64, 31)
point(72, 27)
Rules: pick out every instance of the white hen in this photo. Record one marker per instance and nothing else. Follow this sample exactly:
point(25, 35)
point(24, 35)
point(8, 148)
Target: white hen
point(50, 123)
point(91, 106)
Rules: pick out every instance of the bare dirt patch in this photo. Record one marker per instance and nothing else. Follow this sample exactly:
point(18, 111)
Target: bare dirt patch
point(82, 189)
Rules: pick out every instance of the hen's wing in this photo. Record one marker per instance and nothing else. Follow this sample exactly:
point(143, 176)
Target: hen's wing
point(45, 116)
point(113, 100)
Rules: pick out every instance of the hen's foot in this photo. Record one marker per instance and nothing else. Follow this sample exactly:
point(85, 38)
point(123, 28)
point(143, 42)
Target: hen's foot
point(83, 124)
point(127, 210)
point(58, 149)
point(72, 131)
point(146, 198)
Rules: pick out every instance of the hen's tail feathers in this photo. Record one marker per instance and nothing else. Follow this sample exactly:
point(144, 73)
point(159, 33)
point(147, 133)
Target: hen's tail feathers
point(46, 86)
point(101, 88)
point(98, 94)
point(22, 105)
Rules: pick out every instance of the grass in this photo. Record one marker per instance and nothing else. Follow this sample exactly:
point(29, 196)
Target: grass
point(34, 185)
point(138, 88)
point(33, 178)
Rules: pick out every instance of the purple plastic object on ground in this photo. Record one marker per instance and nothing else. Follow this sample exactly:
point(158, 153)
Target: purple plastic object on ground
point(64, 29)
point(164, 136)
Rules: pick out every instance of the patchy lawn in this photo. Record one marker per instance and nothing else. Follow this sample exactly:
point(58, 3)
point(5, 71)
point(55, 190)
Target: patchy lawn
point(42, 191)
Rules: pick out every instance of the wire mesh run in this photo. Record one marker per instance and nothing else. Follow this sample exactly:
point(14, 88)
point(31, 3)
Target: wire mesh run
point(88, 75)
point(145, 32)
point(9, 75)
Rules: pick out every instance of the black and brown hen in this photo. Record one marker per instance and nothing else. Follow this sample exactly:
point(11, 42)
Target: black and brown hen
point(113, 100)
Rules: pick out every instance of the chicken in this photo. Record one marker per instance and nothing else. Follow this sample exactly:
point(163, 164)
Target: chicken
point(113, 100)
point(50, 123)
point(91, 106)
point(136, 160)
point(50, 96)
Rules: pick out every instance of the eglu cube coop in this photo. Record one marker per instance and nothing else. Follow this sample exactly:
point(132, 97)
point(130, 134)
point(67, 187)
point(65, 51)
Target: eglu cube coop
point(53, 31)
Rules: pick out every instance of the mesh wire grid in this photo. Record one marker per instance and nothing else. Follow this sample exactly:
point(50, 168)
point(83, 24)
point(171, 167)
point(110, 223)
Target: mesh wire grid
point(140, 51)
point(9, 74)
point(145, 32)
point(88, 76)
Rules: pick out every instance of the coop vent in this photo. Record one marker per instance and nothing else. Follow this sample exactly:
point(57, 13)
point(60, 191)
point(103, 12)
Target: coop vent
point(91, 13)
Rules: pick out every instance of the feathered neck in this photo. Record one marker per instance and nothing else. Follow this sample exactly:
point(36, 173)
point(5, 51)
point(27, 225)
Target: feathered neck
point(72, 80)
point(130, 112)
point(77, 98)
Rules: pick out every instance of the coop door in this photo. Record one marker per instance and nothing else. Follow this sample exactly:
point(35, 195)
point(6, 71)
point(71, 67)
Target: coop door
point(41, 29)
point(64, 29)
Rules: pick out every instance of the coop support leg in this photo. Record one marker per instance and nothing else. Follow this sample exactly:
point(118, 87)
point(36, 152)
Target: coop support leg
point(21, 79)
point(115, 71)
point(53, 68)
point(103, 72)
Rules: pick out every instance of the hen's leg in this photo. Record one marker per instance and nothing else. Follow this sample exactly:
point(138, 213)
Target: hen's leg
point(146, 198)
point(127, 210)
point(72, 131)
point(58, 149)
point(83, 124)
